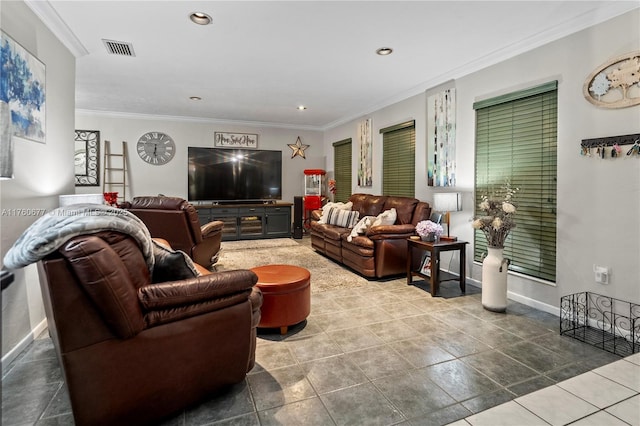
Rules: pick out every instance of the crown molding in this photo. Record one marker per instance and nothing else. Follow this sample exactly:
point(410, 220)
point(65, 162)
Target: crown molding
point(48, 15)
point(579, 23)
point(138, 116)
point(44, 10)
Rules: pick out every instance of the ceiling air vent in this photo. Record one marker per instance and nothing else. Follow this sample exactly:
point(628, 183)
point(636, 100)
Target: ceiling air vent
point(119, 47)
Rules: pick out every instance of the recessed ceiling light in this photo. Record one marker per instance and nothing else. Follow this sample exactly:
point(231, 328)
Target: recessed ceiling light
point(195, 98)
point(302, 107)
point(200, 18)
point(384, 51)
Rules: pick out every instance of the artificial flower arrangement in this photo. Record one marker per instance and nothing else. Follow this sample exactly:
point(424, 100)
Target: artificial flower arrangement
point(426, 227)
point(111, 198)
point(332, 186)
point(496, 217)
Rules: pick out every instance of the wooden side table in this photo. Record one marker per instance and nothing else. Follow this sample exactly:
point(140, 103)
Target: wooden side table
point(435, 276)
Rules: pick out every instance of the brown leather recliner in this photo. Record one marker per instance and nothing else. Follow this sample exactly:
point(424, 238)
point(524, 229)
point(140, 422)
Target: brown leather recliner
point(134, 352)
point(176, 220)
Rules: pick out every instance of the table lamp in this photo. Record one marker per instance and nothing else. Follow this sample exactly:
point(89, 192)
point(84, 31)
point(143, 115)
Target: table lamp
point(446, 202)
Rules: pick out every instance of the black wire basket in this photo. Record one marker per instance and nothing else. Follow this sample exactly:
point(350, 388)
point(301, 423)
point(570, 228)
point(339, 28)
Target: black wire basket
point(602, 321)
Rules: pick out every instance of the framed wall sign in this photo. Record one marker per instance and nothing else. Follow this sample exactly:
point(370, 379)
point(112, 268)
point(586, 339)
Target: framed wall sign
point(86, 158)
point(235, 140)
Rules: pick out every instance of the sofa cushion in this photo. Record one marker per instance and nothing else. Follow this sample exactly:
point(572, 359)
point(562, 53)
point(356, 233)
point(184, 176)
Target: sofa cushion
point(359, 244)
point(404, 206)
point(333, 233)
point(361, 227)
point(329, 206)
point(343, 218)
point(367, 204)
point(387, 217)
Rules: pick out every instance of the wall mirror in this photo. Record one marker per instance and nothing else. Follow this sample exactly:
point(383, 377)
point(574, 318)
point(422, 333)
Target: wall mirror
point(86, 157)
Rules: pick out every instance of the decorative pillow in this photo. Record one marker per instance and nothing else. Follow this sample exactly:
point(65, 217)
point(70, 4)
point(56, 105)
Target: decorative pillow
point(387, 217)
point(171, 265)
point(329, 206)
point(361, 227)
point(343, 218)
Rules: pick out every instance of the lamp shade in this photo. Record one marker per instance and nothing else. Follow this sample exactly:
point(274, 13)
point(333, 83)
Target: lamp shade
point(447, 202)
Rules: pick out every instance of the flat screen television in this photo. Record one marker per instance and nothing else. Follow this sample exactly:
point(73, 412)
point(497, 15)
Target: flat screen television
point(234, 174)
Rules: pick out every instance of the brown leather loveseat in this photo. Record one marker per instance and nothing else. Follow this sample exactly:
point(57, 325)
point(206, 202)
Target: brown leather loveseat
point(382, 250)
point(176, 220)
point(134, 352)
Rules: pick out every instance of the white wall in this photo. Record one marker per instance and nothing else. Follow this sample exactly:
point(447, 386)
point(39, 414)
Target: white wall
point(171, 179)
point(598, 200)
point(414, 108)
point(42, 171)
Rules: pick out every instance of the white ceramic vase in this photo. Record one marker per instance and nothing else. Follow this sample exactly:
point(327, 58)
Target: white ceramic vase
point(494, 281)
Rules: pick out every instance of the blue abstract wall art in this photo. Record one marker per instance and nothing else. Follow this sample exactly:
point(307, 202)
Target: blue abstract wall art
point(22, 86)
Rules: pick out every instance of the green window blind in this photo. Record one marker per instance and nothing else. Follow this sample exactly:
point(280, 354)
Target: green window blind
point(398, 159)
point(342, 169)
point(516, 140)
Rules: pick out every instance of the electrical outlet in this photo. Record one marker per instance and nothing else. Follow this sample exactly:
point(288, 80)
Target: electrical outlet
point(601, 274)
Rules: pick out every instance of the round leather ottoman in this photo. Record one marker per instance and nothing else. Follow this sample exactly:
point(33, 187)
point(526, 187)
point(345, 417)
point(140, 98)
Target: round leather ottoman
point(286, 292)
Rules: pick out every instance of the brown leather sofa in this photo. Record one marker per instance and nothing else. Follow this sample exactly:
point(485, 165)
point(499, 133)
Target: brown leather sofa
point(176, 220)
point(382, 251)
point(134, 352)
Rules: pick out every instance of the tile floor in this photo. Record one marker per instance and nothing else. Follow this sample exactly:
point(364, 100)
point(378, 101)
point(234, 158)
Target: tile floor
point(389, 355)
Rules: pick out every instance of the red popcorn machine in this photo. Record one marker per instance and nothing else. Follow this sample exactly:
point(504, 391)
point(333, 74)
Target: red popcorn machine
point(314, 188)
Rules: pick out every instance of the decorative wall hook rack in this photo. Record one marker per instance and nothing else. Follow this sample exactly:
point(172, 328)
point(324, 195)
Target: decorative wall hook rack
point(610, 141)
point(599, 145)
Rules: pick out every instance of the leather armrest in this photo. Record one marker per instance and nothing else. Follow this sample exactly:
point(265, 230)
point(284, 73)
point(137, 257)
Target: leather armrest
point(256, 300)
point(381, 231)
point(162, 242)
point(213, 227)
point(195, 290)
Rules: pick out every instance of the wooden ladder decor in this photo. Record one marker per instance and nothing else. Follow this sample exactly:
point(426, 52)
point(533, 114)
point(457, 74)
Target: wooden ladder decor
point(115, 175)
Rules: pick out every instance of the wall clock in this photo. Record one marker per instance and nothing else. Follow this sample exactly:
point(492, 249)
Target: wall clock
point(156, 148)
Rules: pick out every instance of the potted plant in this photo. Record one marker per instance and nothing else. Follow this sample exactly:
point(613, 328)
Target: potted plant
point(428, 230)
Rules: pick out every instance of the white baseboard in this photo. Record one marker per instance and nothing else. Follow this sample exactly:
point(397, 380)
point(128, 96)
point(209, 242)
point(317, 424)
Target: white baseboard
point(523, 299)
point(534, 303)
point(473, 282)
point(22, 345)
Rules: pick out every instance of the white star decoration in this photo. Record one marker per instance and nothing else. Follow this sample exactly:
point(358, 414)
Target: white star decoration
point(298, 148)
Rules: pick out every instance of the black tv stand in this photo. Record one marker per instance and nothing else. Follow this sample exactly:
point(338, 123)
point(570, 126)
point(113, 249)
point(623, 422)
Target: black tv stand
point(232, 202)
point(248, 220)
point(236, 202)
